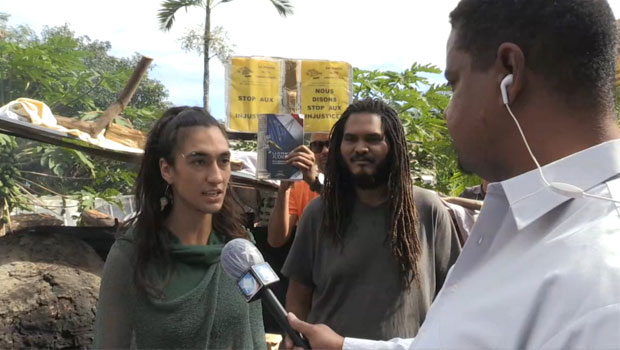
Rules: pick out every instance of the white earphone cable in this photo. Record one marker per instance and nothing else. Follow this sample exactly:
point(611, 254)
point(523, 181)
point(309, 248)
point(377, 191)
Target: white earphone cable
point(558, 187)
point(527, 145)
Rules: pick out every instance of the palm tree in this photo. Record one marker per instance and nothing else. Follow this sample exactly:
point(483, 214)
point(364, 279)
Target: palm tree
point(166, 20)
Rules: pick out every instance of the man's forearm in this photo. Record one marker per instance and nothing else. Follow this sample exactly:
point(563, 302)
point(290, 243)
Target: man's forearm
point(298, 299)
point(278, 227)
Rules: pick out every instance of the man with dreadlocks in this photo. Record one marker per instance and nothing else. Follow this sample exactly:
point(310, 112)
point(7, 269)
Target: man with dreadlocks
point(534, 112)
point(371, 253)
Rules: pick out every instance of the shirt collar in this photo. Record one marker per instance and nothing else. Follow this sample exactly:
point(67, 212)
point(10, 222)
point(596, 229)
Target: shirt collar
point(530, 198)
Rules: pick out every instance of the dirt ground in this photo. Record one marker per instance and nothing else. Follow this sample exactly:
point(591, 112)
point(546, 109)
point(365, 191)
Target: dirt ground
point(49, 291)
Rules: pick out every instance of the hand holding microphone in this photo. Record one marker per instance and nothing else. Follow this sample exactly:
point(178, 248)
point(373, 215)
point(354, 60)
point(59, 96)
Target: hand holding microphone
point(319, 335)
point(245, 264)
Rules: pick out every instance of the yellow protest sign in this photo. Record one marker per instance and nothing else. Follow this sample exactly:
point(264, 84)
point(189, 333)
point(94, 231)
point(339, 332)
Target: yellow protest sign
point(325, 93)
point(254, 88)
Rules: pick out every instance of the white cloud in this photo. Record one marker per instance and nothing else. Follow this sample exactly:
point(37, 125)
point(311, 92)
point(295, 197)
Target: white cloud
point(369, 34)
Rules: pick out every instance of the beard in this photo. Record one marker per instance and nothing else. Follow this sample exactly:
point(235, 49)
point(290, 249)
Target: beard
point(372, 181)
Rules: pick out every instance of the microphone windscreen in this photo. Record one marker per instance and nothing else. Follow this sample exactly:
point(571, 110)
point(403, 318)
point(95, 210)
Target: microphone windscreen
point(238, 256)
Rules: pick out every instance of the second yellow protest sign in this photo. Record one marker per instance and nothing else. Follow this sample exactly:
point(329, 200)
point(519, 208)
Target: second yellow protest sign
point(325, 93)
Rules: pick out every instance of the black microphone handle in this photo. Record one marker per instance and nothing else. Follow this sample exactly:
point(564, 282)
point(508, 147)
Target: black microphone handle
point(278, 311)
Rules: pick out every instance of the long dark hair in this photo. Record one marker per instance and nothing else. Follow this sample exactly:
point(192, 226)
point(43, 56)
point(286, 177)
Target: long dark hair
point(339, 190)
point(152, 240)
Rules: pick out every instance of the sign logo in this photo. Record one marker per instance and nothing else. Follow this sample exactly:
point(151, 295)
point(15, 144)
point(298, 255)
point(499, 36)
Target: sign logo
point(245, 71)
point(314, 74)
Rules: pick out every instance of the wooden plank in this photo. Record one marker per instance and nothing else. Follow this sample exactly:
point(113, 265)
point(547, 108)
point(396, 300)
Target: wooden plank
point(125, 136)
point(244, 180)
point(42, 134)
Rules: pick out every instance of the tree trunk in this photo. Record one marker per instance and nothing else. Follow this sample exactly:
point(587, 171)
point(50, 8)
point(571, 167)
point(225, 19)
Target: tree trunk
point(104, 121)
point(207, 39)
point(123, 99)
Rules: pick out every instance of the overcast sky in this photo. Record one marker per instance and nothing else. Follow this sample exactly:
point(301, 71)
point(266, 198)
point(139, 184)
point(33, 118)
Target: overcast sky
point(387, 34)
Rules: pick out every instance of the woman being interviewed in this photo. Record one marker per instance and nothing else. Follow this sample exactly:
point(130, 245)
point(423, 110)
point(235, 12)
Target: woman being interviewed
point(162, 285)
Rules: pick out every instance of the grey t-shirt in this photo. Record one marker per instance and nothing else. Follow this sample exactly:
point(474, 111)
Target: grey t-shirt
point(357, 290)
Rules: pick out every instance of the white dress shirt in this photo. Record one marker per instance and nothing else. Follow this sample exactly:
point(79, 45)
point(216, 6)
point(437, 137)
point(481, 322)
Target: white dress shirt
point(539, 271)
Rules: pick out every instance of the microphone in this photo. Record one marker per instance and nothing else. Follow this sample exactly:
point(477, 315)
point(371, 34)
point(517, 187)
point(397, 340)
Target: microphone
point(245, 264)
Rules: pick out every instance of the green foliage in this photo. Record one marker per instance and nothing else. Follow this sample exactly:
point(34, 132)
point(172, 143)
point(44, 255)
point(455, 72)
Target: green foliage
point(219, 43)
point(76, 77)
point(284, 7)
point(87, 196)
point(421, 106)
point(10, 191)
point(169, 8)
point(143, 118)
point(243, 145)
point(73, 75)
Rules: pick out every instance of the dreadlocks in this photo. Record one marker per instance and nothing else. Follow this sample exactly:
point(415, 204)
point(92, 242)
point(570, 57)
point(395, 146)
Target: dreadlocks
point(339, 190)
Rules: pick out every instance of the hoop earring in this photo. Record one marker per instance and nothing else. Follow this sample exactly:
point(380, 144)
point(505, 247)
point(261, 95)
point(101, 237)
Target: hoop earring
point(166, 199)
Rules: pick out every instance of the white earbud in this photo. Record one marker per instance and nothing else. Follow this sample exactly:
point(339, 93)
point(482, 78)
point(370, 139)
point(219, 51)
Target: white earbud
point(561, 188)
point(504, 86)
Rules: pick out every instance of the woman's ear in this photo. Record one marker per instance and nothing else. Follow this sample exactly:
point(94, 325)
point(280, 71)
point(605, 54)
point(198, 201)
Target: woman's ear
point(166, 170)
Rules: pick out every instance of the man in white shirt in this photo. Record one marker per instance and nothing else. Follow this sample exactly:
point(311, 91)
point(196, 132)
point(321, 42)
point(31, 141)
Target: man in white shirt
point(541, 270)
